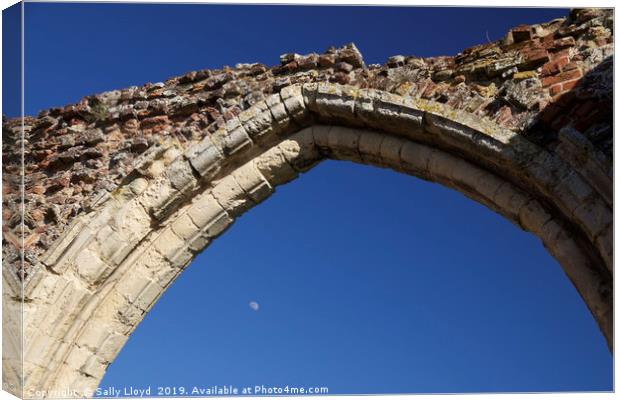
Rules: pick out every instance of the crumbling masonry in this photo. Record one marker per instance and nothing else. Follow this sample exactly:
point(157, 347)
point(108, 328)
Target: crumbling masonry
point(124, 188)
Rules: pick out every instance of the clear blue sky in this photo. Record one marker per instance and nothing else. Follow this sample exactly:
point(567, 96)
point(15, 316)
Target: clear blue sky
point(368, 281)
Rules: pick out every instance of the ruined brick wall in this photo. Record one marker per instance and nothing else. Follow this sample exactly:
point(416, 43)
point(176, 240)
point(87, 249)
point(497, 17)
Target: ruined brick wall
point(123, 189)
point(531, 81)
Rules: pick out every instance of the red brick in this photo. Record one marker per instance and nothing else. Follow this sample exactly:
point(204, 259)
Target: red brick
point(521, 33)
point(555, 89)
point(154, 121)
point(519, 46)
point(569, 85)
point(561, 77)
point(562, 43)
point(559, 54)
point(569, 66)
point(554, 66)
point(547, 41)
point(535, 56)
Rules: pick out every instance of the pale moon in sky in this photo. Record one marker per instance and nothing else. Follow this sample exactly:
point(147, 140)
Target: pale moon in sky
point(254, 305)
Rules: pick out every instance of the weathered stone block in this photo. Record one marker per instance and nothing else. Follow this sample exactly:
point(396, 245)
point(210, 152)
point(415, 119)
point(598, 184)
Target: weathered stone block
point(59, 318)
point(198, 242)
point(185, 227)
point(300, 150)
point(113, 343)
point(37, 352)
point(152, 259)
point(257, 121)
point(93, 335)
point(252, 182)
point(309, 92)
point(218, 225)
point(546, 169)
point(204, 210)
point(274, 167)
point(465, 174)
point(78, 357)
point(390, 151)
point(369, 147)
point(138, 186)
point(533, 216)
point(168, 244)
point(335, 101)
point(293, 101)
point(43, 286)
point(148, 295)
point(278, 111)
point(605, 245)
point(234, 138)
point(320, 135)
point(231, 196)
point(91, 268)
point(171, 153)
point(510, 200)
point(113, 247)
point(182, 258)
point(60, 246)
point(133, 283)
point(573, 191)
point(171, 205)
point(131, 221)
point(130, 316)
point(180, 174)
point(80, 241)
point(364, 103)
point(55, 361)
point(441, 165)
point(550, 233)
point(484, 183)
point(594, 216)
point(161, 270)
point(389, 112)
point(94, 366)
point(157, 195)
point(205, 157)
point(415, 158)
point(451, 132)
point(344, 143)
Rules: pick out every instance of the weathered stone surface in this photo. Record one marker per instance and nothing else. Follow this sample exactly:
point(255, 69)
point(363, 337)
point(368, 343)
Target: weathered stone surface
point(522, 126)
point(204, 156)
point(534, 74)
point(90, 267)
point(273, 165)
point(252, 182)
point(231, 196)
point(300, 150)
point(343, 143)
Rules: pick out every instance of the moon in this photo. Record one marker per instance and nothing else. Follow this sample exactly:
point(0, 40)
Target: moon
point(254, 305)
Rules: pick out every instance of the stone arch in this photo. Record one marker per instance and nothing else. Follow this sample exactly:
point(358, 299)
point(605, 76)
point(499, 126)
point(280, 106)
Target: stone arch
point(99, 279)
